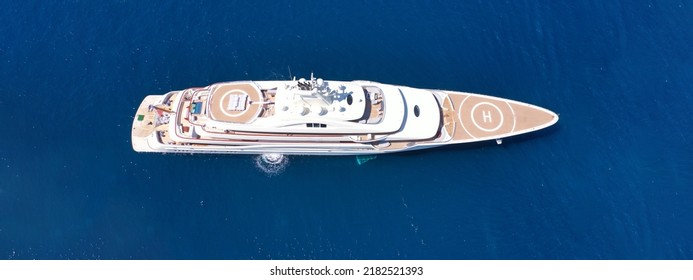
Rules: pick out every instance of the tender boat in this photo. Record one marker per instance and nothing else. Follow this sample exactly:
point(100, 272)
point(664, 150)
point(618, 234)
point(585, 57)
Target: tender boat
point(320, 117)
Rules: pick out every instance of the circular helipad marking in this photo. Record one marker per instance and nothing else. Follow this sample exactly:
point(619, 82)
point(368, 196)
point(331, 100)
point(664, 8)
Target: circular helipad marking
point(492, 115)
point(221, 103)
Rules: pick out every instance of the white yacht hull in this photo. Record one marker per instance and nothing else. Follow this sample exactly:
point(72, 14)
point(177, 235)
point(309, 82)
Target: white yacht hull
point(403, 119)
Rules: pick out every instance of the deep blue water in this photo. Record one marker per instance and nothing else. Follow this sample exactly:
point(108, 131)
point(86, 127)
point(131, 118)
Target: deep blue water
point(612, 180)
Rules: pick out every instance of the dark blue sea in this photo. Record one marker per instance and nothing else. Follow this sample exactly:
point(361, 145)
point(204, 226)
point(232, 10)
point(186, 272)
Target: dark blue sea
point(612, 180)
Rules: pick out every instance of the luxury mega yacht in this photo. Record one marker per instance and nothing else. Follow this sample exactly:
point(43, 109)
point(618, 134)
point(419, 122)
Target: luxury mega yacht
point(321, 117)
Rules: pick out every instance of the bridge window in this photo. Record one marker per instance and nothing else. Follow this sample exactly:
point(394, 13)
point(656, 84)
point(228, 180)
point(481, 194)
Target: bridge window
point(416, 110)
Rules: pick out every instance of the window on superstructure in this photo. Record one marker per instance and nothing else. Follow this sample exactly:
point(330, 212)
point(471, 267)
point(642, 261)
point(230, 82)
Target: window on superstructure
point(196, 107)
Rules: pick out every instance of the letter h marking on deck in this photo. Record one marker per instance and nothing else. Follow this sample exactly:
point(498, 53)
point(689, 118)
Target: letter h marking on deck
point(487, 116)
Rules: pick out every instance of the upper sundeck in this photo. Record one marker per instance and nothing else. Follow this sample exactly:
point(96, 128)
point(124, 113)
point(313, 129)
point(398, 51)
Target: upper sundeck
point(318, 99)
point(238, 102)
point(243, 102)
point(335, 107)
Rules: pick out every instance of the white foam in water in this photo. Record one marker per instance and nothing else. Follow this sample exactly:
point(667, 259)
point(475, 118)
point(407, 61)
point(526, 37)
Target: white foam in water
point(271, 164)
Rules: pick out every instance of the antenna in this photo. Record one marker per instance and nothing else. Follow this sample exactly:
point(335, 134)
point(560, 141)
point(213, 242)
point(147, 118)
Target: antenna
point(290, 76)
